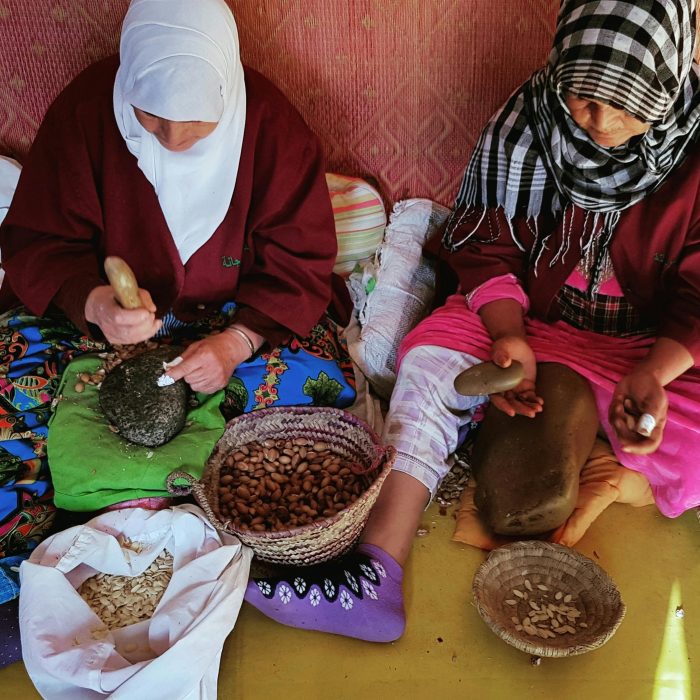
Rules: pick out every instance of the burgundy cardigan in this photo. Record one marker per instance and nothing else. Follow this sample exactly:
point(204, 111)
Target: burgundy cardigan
point(655, 253)
point(81, 197)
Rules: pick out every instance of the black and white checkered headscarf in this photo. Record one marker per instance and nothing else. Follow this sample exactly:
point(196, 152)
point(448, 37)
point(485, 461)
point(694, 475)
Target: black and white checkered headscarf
point(635, 55)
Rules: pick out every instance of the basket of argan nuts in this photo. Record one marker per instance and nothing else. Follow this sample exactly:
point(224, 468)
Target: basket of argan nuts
point(547, 599)
point(294, 484)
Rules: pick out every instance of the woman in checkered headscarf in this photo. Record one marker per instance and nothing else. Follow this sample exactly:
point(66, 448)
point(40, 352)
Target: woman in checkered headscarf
point(535, 156)
point(575, 240)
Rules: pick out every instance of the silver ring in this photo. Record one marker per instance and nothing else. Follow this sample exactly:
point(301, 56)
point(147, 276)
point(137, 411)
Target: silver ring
point(646, 424)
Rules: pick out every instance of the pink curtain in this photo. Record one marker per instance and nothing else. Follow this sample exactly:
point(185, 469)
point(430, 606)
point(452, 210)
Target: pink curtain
point(397, 90)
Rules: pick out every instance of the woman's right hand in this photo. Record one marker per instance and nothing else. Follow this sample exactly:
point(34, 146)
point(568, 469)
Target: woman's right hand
point(121, 326)
point(637, 393)
point(523, 399)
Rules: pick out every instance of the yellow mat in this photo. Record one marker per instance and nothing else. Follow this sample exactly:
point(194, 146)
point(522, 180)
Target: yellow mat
point(448, 652)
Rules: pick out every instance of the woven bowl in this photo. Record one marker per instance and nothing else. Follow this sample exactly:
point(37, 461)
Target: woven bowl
point(326, 538)
point(518, 574)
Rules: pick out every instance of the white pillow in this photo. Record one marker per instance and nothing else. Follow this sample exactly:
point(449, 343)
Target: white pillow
point(395, 291)
point(9, 175)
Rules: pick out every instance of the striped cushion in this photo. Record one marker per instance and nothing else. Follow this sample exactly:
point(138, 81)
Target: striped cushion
point(360, 220)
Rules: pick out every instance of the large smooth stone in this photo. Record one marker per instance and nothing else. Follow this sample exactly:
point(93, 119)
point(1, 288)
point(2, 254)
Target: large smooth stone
point(488, 378)
point(527, 469)
point(131, 399)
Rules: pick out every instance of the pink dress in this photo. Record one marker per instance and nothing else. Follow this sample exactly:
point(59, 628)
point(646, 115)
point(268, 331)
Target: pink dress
point(674, 469)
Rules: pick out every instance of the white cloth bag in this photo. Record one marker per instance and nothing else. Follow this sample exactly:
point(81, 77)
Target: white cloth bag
point(70, 655)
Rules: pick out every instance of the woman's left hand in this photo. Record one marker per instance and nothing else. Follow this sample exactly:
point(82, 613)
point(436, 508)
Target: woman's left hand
point(208, 364)
point(637, 393)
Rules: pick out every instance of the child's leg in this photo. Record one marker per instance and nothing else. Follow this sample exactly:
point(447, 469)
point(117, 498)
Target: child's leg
point(360, 595)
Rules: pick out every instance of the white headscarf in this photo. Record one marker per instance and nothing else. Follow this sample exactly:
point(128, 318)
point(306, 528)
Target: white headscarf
point(180, 61)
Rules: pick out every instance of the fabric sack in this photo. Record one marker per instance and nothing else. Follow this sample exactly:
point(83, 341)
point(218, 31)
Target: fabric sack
point(395, 291)
point(71, 655)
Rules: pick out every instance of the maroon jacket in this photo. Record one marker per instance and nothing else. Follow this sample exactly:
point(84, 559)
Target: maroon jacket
point(81, 197)
point(655, 253)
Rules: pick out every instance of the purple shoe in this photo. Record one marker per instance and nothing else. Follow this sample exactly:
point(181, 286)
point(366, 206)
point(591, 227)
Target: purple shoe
point(357, 596)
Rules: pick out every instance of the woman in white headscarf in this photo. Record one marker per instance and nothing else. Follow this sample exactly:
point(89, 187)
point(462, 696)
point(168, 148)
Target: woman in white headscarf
point(194, 170)
point(201, 175)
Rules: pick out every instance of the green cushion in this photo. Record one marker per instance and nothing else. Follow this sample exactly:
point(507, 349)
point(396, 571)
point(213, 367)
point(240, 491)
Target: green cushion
point(92, 467)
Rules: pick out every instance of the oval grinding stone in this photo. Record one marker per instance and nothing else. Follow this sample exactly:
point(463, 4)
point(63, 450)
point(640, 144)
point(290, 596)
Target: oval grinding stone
point(488, 378)
point(131, 399)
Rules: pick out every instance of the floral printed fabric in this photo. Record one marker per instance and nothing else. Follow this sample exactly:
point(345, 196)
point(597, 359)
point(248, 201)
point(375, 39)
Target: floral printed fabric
point(34, 353)
point(311, 371)
point(359, 577)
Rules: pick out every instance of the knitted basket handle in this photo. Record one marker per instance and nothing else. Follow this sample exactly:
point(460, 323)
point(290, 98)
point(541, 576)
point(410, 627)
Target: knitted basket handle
point(179, 489)
point(193, 487)
point(381, 454)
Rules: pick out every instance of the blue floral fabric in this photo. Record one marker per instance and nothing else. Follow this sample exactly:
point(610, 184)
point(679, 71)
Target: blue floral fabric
point(34, 352)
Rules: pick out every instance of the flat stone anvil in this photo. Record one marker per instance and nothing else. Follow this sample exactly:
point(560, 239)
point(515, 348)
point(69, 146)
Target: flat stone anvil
point(145, 413)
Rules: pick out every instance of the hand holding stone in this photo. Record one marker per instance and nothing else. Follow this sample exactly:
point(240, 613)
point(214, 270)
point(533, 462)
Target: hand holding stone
point(125, 313)
point(121, 326)
point(522, 400)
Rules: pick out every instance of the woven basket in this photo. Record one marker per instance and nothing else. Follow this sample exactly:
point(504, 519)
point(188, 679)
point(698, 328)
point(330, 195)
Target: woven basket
point(558, 569)
point(326, 538)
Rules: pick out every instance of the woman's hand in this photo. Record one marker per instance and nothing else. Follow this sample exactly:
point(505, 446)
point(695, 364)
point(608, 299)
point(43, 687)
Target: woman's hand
point(208, 364)
point(522, 400)
point(642, 391)
point(637, 393)
point(121, 326)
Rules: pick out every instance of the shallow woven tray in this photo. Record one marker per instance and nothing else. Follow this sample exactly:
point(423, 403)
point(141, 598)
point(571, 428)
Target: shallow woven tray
point(326, 538)
point(559, 569)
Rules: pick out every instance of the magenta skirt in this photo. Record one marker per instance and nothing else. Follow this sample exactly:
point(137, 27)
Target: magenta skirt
point(674, 469)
